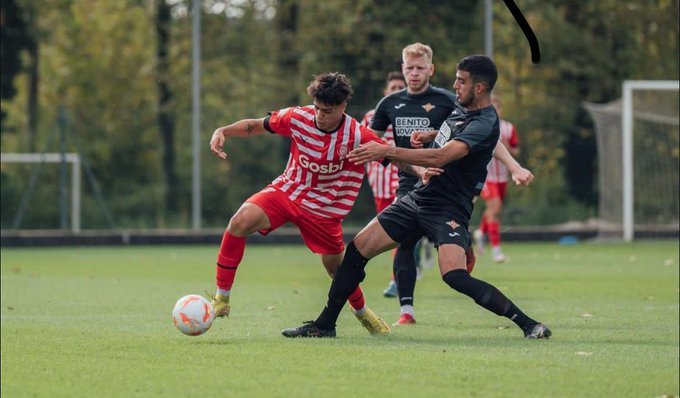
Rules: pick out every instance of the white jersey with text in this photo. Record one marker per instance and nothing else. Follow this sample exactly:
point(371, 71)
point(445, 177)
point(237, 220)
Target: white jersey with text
point(318, 178)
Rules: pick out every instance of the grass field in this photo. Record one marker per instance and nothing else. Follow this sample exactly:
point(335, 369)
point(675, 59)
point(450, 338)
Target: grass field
point(95, 322)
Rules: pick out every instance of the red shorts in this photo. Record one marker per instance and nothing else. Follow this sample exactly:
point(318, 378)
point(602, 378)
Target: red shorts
point(382, 203)
point(493, 190)
point(321, 235)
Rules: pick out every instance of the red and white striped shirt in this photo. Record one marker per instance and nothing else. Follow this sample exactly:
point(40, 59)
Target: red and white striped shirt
point(318, 178)
point(383, 180)
point(496, 171)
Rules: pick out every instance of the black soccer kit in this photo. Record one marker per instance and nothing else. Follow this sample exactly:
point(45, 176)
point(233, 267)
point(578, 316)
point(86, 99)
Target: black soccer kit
point(430, 209)
point(412, 112)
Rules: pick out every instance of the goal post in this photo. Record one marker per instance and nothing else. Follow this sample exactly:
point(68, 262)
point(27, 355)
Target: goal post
point(72, 158)
point(628, 123)
point(638, 145)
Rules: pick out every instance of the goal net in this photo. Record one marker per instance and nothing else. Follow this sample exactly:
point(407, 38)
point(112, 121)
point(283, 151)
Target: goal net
point(638, 161)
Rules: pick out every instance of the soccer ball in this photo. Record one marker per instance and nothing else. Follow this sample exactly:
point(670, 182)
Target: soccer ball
point(193, 315)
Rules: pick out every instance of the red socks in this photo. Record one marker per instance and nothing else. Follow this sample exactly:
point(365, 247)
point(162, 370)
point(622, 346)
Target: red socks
point(228, 259)
point(493, 230)
point(356, 299)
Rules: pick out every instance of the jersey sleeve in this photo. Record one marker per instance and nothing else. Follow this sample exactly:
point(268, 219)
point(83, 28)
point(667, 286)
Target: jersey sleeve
point(368, 135)
point(278, 122)
point(474, 134)
point(381, 119)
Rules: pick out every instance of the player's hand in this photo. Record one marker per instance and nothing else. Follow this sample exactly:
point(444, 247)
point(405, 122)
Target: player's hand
point(522, 176)
point(217, 143)
point(368, 152)
point(429, 172)
point(420, 138)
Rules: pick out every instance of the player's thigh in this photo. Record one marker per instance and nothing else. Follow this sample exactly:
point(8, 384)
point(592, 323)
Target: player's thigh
point(248, 218)
point(276, 206)
point(451, 257)
point(373, 240)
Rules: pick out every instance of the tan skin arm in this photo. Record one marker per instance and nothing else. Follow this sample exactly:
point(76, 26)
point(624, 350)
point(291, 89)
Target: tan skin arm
point(242, 128)
point(428, 157)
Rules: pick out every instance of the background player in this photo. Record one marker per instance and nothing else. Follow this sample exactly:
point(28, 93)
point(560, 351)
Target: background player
point(384, 180)
point(420, 107)
point(315, 192)
point(440, 209)
point(494, 189)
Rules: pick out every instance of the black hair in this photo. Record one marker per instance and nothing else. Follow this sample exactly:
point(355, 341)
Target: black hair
point(330, 88)
point(395, 75)
point(481, 68)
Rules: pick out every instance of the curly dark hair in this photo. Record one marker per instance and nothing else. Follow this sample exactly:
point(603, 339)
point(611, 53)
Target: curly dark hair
point(330, 88)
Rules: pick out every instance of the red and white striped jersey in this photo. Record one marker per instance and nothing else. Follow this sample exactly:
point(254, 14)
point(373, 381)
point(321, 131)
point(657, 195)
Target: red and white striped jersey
point(496, 171)
point(318, 178)
point(383, 180)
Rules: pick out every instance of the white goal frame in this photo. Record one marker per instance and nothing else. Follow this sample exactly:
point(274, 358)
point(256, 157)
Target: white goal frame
point(72, 158)
point(627, 123)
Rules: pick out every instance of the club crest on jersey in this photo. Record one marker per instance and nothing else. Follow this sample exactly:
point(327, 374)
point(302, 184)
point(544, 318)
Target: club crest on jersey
point(343, 151)
point(428, 107)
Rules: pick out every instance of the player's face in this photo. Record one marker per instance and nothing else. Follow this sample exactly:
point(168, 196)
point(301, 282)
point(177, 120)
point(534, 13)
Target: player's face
point(394, 85)
point(417, 71)
point(327, 117)
point(464, 87)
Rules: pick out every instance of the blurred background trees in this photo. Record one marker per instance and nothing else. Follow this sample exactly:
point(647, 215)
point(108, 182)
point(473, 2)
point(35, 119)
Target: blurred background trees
point(122, 71)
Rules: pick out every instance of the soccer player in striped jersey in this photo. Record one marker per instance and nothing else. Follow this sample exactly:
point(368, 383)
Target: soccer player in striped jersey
point(315, 192)
point(440, 206)
point(494, 189)
point(384, 180)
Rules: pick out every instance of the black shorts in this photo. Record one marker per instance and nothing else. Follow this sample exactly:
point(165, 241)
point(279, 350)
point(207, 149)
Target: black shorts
point(406, 222)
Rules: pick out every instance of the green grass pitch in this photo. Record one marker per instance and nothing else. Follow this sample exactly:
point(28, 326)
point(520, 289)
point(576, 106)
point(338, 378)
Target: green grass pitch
point(96, 322)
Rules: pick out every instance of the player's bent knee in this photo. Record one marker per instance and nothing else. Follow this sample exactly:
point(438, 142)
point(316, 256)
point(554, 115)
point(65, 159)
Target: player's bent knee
point(457, 279)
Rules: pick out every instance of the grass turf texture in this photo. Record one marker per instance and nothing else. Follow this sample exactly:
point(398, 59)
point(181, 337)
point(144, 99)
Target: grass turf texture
point(84, 322)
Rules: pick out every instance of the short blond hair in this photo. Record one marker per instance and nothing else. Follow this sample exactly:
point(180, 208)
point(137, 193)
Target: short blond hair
point(417, 50)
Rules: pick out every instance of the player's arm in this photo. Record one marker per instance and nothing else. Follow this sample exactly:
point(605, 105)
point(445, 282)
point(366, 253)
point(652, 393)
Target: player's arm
point(242, 128)
point(427, 157)
point(420, 138)
point(520, 175)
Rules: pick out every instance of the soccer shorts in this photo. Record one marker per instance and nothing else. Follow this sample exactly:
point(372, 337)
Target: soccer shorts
point(493, 190)
point(406, 222)
point(321, 235)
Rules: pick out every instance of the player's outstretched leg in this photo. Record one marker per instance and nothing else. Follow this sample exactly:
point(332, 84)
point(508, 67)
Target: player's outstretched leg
point(487, 296)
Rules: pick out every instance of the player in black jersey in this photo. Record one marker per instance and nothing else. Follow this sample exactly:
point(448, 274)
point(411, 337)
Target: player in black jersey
point(419, 107)
point(440, 209)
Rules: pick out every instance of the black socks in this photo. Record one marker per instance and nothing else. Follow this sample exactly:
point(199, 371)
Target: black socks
point(405, 273)
point(346, 279)
point(487, 296)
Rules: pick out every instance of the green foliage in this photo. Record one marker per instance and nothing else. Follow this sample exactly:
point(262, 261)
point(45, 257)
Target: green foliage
point(97, 59)
point(96, 322)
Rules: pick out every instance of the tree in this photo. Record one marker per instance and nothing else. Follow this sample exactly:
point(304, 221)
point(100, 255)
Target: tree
point(166, 120)
point(15, 38)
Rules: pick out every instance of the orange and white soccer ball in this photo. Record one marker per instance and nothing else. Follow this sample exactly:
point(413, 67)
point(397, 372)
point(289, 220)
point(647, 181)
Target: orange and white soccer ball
point(193, 315)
